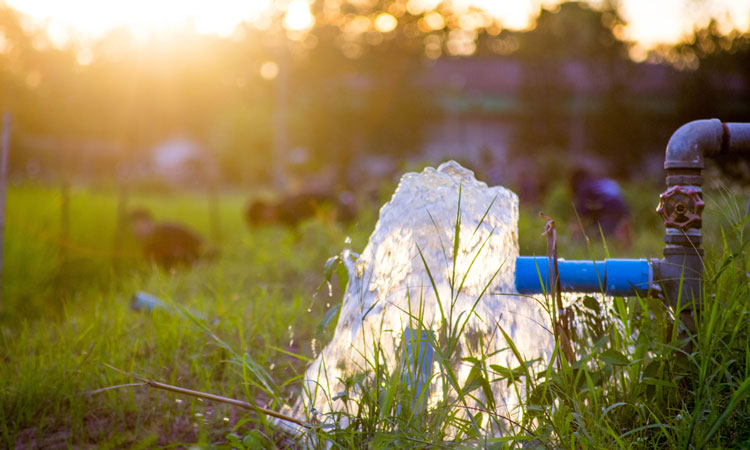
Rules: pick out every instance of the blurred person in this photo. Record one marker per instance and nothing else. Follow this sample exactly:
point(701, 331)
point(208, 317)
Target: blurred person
point(600, 205)
point(167, 244)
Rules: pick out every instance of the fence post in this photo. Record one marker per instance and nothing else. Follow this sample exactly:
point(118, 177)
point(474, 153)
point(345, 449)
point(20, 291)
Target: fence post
point(3, 186)
point(213, 212)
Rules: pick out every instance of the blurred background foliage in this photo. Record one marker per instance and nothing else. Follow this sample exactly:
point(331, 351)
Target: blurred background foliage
point(366, 78)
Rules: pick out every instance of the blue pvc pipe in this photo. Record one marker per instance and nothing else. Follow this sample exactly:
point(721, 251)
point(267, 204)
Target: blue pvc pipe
point(419, 356)
point(620, 277)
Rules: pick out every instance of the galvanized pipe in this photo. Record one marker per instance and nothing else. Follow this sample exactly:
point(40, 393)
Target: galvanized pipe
point(680, 272)
point(737, 137)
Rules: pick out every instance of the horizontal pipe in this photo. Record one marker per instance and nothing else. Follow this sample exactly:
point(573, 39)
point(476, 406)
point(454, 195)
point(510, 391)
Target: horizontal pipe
point(736, 137)
point(619, 277)
point(709, 137)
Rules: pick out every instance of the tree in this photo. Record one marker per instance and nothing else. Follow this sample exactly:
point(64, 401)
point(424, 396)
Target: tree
point(717, 83)
point(589, 99)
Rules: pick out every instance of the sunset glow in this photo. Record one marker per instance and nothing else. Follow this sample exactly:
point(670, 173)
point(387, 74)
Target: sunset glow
point(649, 22)
point(298, 16)
point(93, 18)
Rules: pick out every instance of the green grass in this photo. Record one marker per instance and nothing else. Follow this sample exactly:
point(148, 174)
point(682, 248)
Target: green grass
point(65, 312)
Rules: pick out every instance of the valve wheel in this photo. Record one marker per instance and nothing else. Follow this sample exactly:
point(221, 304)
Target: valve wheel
point(681, 207)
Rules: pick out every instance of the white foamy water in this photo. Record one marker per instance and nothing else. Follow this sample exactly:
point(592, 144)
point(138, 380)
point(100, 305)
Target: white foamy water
point(389, 279)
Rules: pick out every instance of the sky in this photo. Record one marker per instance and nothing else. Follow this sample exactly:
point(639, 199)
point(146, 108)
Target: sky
point(649, 21)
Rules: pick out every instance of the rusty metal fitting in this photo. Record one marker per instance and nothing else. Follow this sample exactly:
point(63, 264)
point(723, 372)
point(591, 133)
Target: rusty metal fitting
point(681, 207)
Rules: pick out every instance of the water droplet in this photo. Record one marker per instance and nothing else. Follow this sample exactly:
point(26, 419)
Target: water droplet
point(328, 305)
point(348, 240)
point(225, 419)
point(178, 401)
point(309, 310)
point(330, 289)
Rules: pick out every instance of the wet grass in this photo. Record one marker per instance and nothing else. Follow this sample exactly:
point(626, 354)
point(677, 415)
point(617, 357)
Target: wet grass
point(65, 311)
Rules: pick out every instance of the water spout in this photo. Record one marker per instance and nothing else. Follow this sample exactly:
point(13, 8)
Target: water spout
point(442, 257)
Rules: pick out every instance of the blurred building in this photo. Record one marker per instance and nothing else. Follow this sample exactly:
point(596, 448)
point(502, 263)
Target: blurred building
point(493, 107)
point(182, 162)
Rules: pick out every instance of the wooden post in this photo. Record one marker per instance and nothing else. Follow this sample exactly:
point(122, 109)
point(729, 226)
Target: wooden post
point(64, 218)
point(64, 202)
point(280, 117)
point(3, 185)
point(121, 224)
point(213, 212)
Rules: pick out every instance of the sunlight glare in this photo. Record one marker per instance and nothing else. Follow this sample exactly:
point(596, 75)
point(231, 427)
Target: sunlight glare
point(516, 14)
point(269, 70)
point(417, 7)
point(94, 18)
point(649, 22)
point(385, 23)
point(298, 16)
point(434, 21)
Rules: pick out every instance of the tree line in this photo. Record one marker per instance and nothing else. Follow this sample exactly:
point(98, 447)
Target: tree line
point(350, 85)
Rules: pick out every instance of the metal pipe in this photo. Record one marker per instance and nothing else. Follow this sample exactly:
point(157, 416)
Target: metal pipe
point(679, 275)
point(737, 137)
point(619, 277)
point(680, 272)
point(691, 142)
point(700, 138)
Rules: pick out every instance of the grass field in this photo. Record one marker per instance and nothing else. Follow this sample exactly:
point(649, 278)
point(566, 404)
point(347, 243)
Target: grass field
point(249, 321)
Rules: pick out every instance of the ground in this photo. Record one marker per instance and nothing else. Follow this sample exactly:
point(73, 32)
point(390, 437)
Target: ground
point(248, 321)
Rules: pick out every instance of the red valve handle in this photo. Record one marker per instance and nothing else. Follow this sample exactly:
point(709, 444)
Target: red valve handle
point(681, 207)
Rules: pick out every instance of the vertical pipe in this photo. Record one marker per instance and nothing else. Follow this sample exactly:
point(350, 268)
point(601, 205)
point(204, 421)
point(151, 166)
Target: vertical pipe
point(680, 272)
point(418, 359)
point(3, 186)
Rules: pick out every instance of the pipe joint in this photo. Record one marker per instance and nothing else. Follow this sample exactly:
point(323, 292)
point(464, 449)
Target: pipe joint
point(691, 142)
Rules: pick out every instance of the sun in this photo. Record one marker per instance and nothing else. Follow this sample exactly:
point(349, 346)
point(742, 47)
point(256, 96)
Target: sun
point(93, 18)
point(649, 21)
point(298, 16)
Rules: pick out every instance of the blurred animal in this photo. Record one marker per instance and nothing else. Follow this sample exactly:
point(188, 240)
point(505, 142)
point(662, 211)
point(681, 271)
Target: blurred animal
point(167, 244)
point(291, 209)
point(600, 204)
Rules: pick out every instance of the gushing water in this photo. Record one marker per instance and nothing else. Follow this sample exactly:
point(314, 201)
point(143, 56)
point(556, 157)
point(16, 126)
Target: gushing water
point(408, 270)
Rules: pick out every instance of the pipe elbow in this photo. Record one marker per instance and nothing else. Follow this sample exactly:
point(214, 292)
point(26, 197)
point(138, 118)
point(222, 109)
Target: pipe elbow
point(691, 142)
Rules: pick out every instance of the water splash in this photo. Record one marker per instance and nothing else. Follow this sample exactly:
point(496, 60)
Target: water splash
point(415, 232)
